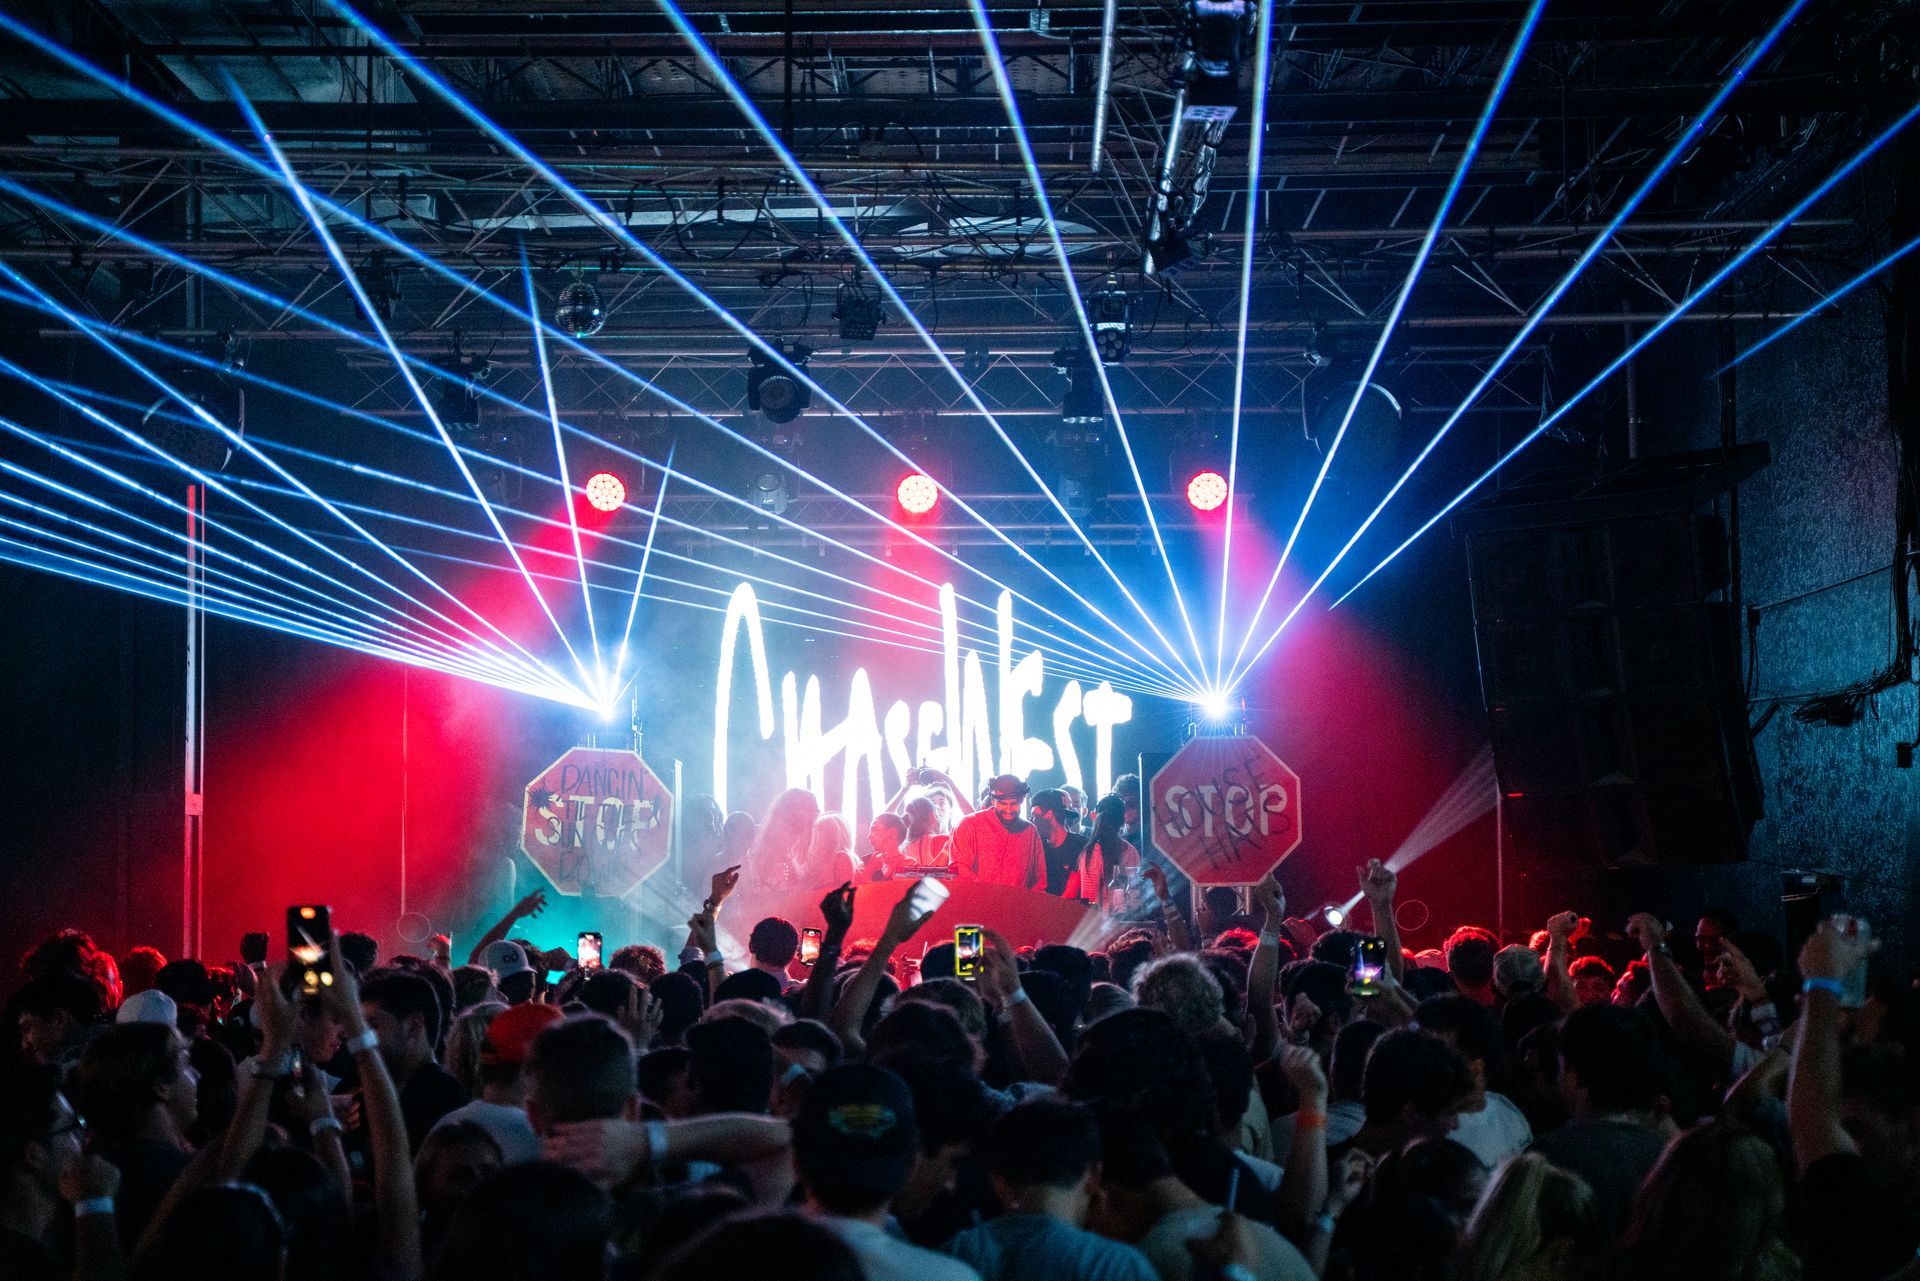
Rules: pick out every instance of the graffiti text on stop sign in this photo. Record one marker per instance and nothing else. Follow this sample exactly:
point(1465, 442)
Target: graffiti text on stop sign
point(1240, 809)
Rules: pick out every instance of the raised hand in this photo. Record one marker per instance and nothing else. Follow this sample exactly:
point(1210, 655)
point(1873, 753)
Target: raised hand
point(275, 1014)
point(1272, 900)
point(1346, 1180)
point(605, 1151)
point(532, 905)
point(1378, 881)
point(88, 1176)
point(837, 908)
point(440, 950)
point(1301, 1067)
point(701, 932)
point(722, 886)
point(1648, 930)
point(1734, 970)
point(1832, 951)
point(1000, 972)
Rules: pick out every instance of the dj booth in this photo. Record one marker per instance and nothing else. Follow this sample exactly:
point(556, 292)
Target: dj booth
point(1023, 917)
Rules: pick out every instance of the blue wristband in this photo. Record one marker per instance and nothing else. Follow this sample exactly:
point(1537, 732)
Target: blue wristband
point(1834, 986)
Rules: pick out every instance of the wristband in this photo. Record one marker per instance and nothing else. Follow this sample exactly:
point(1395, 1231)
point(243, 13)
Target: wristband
point(92, 1205)
point(1306, 1120)
point(281, 1069)
point(1270, 939)
point(1833, 987)
point(656, 1142)
point(716, 958)
point(367, 1040)
point(320, 1124)
point(689, 954)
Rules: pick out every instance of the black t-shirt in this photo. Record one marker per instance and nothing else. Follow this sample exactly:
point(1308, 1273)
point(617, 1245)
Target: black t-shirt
point(430, 1093)
point(147, 1168)
point(1851, 1221)
point(1062, 861)
point(1612, 1155)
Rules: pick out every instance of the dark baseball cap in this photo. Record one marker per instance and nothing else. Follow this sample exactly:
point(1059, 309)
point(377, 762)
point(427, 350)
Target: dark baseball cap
point(1008, 785)
point(857, 1128)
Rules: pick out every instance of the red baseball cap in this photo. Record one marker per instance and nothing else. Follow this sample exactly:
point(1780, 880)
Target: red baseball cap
point(510, 1036)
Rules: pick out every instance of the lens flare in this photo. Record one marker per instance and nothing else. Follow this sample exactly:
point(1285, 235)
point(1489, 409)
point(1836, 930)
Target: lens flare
point(606, 492)
point(1207, 491)
point(918, 494)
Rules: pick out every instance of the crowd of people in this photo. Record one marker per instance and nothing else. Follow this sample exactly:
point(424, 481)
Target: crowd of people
point(1051, 841)
point(1223, 1094)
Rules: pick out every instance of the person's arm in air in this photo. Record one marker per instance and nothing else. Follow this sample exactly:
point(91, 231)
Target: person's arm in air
point(248, 1128)
point(850, 1012)
point(396, 1201)
point(90, 1184)
point(816, 998)
point(532, 905)
point(1263, 971)
point(1303, 1187)
point(1179, 937)
point(1766, 1079)
point(1378, 882)
point(1034, 1044)
point(1563, 928)
point(612, 1151)
point(1710, 1044)
point(1813, 1083)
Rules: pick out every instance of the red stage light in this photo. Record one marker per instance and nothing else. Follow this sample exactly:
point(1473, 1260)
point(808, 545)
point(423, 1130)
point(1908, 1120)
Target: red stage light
point(606, 491)
point(917, 494)
point(1207, 491)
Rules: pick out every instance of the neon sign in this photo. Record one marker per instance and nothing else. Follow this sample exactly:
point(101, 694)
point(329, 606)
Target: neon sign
point(964, 732)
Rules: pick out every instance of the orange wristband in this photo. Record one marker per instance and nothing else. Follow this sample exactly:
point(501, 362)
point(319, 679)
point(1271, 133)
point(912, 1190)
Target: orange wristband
point(1305, 1120)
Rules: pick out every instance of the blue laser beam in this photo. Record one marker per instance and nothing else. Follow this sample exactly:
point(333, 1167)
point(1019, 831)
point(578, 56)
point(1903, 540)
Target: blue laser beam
point(1738, 76)
point(267, 298)
point(731, 87)
point(1256, 151)
point(93, 332)
point(1831, 300)
point(214, 484)
point(1685, 305)
point(566, 482)
point(1003, 80)
point(211, 550)
point(639, 579)
point(1452, 192)
point(601, 218)
point(372, 313)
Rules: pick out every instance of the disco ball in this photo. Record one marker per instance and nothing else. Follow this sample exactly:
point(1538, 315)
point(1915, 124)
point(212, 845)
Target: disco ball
point(580, 312)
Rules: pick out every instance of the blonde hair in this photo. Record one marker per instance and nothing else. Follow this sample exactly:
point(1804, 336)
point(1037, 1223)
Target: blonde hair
point(1532, 1215)
point(463, 1043)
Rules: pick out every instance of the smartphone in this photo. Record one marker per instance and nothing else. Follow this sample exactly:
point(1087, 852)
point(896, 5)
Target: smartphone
point(1369, 962)
point(927, 894)
point(309, 928)
point(1854, 996)
point(587, 950)
point(966, 952)
point(809, 945)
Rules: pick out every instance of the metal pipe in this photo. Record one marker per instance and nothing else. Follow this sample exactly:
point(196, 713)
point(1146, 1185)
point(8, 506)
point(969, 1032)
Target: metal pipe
point(1106, 81)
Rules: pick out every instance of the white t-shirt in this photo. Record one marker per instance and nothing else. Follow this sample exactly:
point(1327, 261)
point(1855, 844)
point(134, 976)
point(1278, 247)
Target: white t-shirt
point(1166, 1247)
point(885, 1257)
point(1495, 1132)
point(507, 1125)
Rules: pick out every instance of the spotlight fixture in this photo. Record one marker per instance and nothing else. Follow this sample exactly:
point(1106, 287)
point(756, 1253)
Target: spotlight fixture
point(457, 399)
point(1216, 707)
point(1373, 441)
point(579, 313)
point(772, 390)
point(769, 492)
point(1207, 491)
point(857, 309)
point(917, 494)
point(1112, 315)
point(606, 492)
point(1079, 458)
point(1216, 36)
point(1081, 405)
point(1335, 914)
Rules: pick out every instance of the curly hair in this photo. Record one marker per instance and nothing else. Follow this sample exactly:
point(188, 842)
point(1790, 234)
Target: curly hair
point(1183, 987)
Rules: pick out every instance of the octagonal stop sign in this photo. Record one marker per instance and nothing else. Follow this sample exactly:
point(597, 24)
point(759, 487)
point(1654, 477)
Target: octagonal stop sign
point(1226, 810)
point(597, 821)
